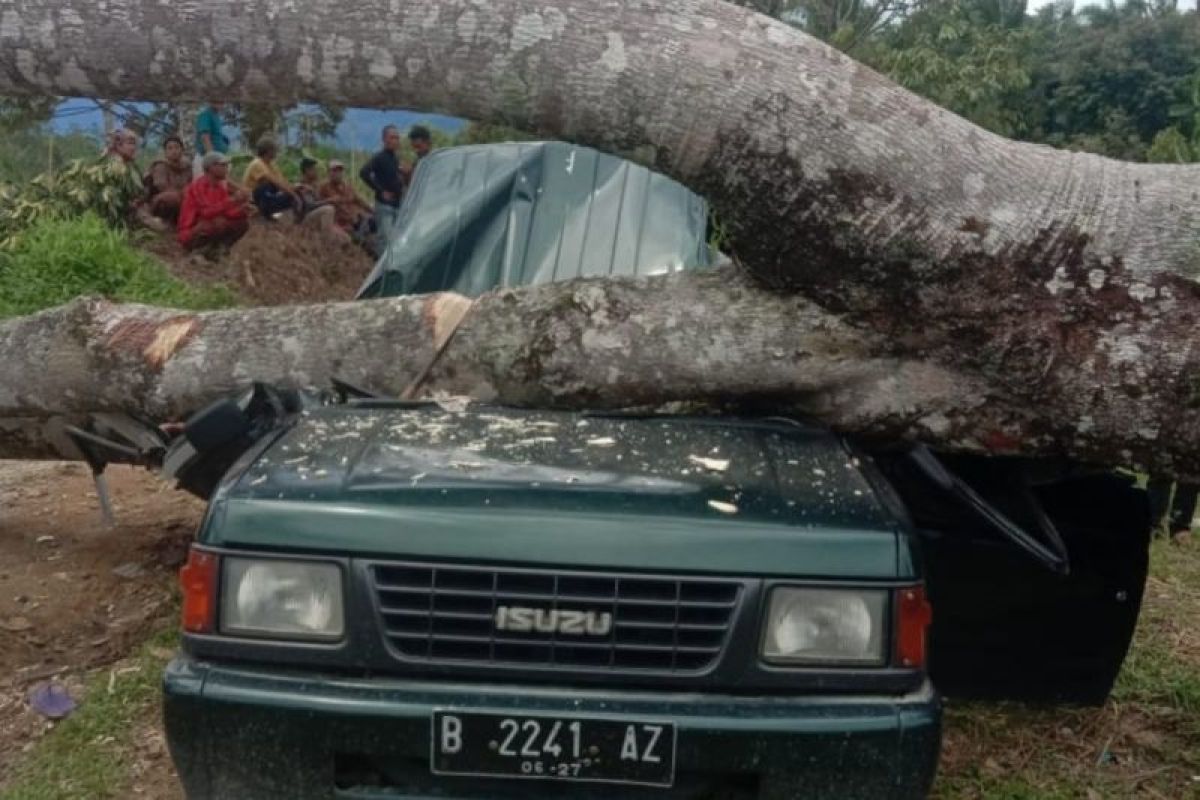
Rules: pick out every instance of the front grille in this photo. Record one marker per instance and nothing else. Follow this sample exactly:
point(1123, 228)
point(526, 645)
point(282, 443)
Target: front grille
point(661, 624)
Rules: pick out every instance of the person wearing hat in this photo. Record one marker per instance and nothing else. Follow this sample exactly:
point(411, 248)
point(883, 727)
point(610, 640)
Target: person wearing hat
point(313, 211)
point(351, 213)
point(213, 214)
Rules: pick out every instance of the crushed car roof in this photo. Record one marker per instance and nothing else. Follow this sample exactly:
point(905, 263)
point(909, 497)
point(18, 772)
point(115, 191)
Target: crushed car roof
point(482, 217)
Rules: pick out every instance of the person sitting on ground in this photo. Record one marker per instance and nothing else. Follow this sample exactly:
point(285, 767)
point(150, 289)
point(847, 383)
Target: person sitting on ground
point(213, 215)
point(351, 213)
point(382, 174)
point(272, 192)
point(121, 155)
point(315, 212)
point(167, 180)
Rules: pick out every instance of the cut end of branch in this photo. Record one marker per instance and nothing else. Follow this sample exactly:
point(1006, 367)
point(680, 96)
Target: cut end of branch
point(158, 341)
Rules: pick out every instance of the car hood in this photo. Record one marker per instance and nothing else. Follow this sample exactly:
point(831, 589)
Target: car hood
point(522, 485)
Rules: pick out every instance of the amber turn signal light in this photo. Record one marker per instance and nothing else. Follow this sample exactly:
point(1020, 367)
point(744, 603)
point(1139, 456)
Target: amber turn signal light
point(198, 580)
point(913, 615)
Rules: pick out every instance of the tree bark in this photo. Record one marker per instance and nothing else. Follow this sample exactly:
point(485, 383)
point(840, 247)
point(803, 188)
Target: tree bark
point(1059, 284)
point(593, 344)
point(720, 339)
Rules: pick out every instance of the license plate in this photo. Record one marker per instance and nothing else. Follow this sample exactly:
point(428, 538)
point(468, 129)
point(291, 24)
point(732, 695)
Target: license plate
point(553, 748)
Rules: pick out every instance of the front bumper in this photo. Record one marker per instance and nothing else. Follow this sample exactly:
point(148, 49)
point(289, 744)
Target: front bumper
point(251, 733)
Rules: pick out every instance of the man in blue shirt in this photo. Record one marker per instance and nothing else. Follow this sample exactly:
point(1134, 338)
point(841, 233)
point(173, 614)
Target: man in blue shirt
point(210, 138)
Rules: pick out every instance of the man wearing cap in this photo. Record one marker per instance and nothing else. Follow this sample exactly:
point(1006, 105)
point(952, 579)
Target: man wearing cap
point(315, 212)
point(212, 215)
point(351, 212)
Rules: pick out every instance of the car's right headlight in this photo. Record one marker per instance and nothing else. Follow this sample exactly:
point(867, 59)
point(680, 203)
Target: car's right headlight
point(825, 626)
point(282, 599)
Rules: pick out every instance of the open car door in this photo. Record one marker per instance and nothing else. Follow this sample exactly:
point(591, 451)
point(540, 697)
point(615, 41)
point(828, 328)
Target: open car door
point(1035, 572)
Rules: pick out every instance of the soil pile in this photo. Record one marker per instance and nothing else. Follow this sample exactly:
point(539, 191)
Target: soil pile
point(275, 263)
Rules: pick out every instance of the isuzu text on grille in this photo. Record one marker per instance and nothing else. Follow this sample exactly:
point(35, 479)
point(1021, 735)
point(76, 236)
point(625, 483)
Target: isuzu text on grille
point(577, 623)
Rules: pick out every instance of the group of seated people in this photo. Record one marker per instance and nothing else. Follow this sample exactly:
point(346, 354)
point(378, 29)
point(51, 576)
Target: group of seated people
point(332, 206)
point(211, 210)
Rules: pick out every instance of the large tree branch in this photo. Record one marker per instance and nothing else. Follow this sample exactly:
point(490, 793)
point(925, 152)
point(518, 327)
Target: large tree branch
point(592, 344)
point(825, 169)
point(598, 344)
point(1057, 289)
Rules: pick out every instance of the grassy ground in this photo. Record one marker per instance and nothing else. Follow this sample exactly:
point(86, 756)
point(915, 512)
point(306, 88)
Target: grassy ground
point(94, 753)
point(57, 260)
point(1145, 743)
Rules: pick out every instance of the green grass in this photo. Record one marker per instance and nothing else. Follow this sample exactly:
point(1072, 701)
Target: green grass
point(87, 756)
point(1145, 742)
point(58, 260)
point(1163, 670)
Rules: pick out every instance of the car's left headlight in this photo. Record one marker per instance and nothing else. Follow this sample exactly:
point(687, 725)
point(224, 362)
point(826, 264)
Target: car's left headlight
point(816, 626)
point(282, 599)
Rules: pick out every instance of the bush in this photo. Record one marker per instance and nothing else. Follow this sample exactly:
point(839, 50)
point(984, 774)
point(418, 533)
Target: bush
point(59, 259)
point(1171, 147)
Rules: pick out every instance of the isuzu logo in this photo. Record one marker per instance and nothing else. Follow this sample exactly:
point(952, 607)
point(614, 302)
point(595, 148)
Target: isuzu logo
point(521, 619)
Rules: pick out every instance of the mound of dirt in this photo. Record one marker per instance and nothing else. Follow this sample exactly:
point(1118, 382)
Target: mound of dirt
point(276, 263)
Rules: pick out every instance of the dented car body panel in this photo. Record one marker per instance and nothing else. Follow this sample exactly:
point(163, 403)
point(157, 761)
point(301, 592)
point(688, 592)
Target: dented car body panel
point(497, 484)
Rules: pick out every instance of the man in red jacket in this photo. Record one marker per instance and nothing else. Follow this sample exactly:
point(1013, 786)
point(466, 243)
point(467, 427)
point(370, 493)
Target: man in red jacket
point(212, 214)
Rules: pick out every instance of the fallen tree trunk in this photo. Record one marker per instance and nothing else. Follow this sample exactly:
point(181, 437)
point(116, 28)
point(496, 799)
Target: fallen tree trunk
point(720, 339)
point(594, 344)
point(1058, 287)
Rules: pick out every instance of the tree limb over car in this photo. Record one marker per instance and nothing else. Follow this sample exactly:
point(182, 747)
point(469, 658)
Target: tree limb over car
point(1053, 292)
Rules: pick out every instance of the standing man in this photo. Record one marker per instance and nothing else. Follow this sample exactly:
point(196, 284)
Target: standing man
point(1177, 509)
point(210, 138)
point(382, 174)
point(212, 215)
point(167, 180)
point(421, 141)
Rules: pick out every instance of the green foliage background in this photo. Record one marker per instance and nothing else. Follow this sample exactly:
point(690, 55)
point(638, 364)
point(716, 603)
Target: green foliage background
point(1121, 80)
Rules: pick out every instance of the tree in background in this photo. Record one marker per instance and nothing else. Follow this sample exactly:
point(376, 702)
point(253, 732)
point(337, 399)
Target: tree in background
point(22, 113)
point(1114, 79)
point(846, 24)
point(973, 57)
point(1180, 143)
point(1109, 78)
point(304, 125)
